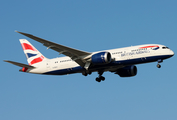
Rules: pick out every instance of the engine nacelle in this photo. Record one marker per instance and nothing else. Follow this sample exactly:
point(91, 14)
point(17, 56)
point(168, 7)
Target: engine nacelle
point(101, 58)
point(128, 71)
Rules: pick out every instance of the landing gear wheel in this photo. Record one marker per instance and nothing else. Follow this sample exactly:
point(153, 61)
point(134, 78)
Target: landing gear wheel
point(98, 79)
point(158, 65)
point(102, 78)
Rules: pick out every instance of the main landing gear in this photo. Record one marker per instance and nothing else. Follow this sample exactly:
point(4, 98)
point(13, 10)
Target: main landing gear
point(85, 73)
point(100, 77)
point(159, 61)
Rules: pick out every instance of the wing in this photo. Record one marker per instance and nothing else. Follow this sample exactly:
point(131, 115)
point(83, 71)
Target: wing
point(74, 54)
point(19, 64)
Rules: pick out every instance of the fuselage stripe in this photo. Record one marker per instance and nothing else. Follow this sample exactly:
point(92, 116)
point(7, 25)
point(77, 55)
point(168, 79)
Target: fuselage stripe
point(148, 47)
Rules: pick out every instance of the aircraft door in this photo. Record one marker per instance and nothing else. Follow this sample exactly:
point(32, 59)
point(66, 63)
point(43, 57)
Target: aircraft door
point(48, 65)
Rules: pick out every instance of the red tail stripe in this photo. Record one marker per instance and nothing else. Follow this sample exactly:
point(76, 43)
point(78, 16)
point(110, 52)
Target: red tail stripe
point(36, 60)
point(149, 46)
point(26, 46)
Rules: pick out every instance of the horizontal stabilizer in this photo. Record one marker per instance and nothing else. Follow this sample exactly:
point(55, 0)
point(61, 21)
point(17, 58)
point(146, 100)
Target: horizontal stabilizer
point(19, 64)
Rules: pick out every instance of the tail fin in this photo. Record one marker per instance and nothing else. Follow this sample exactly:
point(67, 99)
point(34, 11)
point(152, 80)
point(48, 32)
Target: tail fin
point(32, 54)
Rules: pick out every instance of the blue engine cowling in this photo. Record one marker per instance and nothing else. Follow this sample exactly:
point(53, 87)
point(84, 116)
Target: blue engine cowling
point(128, 71)
point(101, 58)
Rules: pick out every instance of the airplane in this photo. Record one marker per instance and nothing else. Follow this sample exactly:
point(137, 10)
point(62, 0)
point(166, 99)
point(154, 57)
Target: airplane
point(120, 61)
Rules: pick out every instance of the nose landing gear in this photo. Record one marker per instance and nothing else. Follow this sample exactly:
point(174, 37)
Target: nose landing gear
point(158, 65)
point(159, 61)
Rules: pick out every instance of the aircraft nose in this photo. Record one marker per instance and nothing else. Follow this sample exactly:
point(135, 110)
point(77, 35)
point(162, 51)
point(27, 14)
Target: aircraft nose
point(172, 53)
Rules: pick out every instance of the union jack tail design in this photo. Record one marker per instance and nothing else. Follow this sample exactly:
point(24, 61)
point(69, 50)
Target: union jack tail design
point(32, 54)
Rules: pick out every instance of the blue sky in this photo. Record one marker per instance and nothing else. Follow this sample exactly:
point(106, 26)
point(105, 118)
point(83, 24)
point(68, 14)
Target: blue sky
point(89, 26)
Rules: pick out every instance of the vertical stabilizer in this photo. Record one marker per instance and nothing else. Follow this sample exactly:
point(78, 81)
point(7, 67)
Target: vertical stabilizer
point(32, 54)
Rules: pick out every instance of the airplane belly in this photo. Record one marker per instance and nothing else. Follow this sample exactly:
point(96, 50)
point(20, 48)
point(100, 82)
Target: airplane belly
point(111, 66)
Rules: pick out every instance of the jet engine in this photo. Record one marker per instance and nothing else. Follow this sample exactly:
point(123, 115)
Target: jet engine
point(101, 58)
point(128, 71)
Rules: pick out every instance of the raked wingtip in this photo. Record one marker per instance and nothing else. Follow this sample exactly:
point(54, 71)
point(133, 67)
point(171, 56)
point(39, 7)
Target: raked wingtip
point(17, 31)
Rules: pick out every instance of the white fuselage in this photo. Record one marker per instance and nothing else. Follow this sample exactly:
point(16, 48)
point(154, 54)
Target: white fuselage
point(121, 57)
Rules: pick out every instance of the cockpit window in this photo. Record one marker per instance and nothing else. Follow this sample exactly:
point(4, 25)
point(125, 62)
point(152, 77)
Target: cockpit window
point(165, 48)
